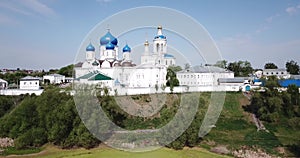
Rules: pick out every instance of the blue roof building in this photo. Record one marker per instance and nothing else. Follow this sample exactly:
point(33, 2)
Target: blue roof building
point(286, 83)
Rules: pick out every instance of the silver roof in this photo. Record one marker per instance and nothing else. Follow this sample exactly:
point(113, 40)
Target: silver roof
point(232, 80)
point(274, 70)
point(295, 77)
point(205, 69)
point(55, 75)
point(30, 78)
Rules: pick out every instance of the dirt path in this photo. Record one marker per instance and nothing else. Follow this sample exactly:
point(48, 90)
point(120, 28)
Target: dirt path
point(43, 152)
point(259, 125)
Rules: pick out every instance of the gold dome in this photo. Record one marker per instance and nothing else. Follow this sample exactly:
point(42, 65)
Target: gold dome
point(146, 43)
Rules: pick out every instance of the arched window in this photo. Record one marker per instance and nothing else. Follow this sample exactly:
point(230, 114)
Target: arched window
point(157, 47)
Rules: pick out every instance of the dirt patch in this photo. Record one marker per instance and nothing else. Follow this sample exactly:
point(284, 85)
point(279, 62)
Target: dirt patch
point(244, 101)
point(220, 150)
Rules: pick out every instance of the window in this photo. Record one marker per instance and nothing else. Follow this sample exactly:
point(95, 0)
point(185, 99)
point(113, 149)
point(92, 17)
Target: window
point(166, 62)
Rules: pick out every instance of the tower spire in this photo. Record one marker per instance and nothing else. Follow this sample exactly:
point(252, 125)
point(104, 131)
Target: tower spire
point(159, 30)
point(107, 28)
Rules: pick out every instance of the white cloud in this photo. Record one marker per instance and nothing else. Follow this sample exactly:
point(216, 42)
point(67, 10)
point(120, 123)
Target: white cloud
point(261, 29)
point(104, 1)
point(28, 8)
point(271, 18)
point(38, 7)
point(291, 10)
point(13, 8)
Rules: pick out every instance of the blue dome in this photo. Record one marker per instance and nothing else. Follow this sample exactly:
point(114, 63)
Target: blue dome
point(110, 46)
point(160, 36)
point(126, 49)
point(168, 56)
point(108, 37)
point(90, 47)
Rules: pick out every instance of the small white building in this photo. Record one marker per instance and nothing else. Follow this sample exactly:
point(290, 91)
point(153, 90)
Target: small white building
point(202, 76)
point(3, 84)
point(54, 78)
point(30, 83)
point(280, 73)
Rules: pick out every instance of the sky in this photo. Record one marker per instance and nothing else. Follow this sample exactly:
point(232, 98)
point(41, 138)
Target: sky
point(46, 34)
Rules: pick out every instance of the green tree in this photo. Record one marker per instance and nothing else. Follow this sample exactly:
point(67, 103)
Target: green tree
point(292, 67)
point(5, 104)
point(287, 105)
point(240, 68)
point(221, 64)
point(172, 80)
point(67, 70)
point(293, 90)
point(175, 68)
point(271, 83)
point(270, 66)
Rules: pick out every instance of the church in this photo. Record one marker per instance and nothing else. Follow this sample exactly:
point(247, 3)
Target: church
point(104, 66)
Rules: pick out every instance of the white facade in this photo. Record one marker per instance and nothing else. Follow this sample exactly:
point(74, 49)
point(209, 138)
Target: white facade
point(128, 78)
point(3, 84)
point(203, 76)
point(54, 78)
point(15, 92)
point(280, 73)
point(30, 83)
point(124, 72)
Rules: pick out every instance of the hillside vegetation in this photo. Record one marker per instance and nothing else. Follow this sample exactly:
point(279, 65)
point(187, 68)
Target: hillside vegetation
point(33, 121)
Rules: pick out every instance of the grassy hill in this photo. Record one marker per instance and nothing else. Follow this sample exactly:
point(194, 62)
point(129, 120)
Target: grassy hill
point(105, 152)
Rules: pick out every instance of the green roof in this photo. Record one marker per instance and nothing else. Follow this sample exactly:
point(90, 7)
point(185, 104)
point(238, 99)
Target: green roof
point(86, 76)
point(100, 77)
point(95, 76)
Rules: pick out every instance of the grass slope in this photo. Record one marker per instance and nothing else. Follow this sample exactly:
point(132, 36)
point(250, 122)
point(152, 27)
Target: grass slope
point(105, 152)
